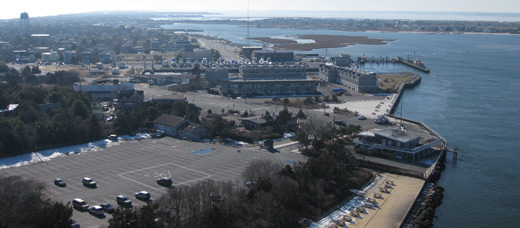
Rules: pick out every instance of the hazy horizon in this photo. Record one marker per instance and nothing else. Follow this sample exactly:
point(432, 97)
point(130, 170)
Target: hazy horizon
point(61, 7)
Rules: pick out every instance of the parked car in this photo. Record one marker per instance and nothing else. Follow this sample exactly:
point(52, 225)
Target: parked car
point(142, 195)
point(107, 207)
point(74, 224)
point(361, 117)
point(112, 137)
point(60, 182)
point(96, 210)
point(123, 201)
point(340, 123)
point(89, 182)
point(164, 181)
point(80, 204)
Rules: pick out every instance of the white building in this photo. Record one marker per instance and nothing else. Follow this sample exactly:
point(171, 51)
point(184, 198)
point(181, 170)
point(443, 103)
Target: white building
point(50, 56)
point(105, 90)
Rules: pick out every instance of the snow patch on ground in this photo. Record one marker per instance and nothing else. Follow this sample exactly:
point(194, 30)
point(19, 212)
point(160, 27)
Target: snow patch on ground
point(47, 155)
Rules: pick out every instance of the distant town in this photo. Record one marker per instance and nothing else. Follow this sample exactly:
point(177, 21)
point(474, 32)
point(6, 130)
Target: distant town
point(211, 133)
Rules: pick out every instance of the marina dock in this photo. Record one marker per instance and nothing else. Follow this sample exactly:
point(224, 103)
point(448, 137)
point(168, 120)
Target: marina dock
point(415, 64)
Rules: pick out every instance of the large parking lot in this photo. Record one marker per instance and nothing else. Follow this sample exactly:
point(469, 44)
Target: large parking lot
point(134, 166)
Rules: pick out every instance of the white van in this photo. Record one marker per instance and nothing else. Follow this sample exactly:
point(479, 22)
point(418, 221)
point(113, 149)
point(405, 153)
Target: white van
point(80, 204)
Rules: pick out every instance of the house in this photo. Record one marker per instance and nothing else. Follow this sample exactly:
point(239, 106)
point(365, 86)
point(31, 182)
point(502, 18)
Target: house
point(404, 144)
point(178, 127)
point(49, 106)
point(193, 132)
point(253, 123)
point(169, 124)
point(131, 100)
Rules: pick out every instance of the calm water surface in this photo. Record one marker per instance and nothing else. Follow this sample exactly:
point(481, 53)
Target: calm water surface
point(471, 98)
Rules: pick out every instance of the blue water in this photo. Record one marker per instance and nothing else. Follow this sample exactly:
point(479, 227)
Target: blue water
point(385, 15)
point(471, 97)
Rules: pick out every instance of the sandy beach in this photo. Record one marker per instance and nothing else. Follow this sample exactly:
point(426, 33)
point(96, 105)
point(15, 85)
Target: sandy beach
point(394, 205)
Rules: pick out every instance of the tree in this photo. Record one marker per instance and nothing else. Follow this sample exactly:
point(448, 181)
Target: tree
point(79, 108)
point(123, 218)
point(93, 128)
point(286, 102)
point(196, 70)
point(158, 59)
point(334, 98)
point(3, 67)
point(317, 99)
point(267, 117)
point(326, 98)
point(24, 204)
point(56, 215)
point(215, 55)
point(308, 100)
point(301, 115)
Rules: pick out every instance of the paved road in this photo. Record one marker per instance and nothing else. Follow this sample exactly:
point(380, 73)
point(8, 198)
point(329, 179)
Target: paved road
point(134, 166)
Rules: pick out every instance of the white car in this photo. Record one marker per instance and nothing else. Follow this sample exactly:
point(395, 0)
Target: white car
point(142, 195)
point(89, 182)
point(96, 210)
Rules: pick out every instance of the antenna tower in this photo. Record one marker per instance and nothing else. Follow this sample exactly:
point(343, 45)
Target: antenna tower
point(247, 36)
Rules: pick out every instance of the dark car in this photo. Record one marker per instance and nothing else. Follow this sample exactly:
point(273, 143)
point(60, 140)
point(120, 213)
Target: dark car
point(340, 123)
point(142, 195)
point(123, 201)
point(74, 224)
point(107, 207)
point(164, 181)
point(60, 182)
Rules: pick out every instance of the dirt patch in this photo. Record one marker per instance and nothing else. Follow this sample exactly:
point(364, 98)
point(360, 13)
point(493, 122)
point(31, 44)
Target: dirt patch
point(320, 41)
point(389, 82)
point(273, 40)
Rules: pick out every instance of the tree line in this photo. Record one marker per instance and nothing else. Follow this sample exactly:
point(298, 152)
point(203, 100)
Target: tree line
point(30, 127)
point(24, 204)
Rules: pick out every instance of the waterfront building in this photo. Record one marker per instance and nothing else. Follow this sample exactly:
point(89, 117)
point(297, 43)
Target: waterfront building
point(273, 56)
point(399, 142)
point(273, 72)
point(270, 80)
point(251, 88)
point(343, 60)
point(353, 78)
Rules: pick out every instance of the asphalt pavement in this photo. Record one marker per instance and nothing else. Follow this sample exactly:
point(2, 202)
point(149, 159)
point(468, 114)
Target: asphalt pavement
point(134, 166)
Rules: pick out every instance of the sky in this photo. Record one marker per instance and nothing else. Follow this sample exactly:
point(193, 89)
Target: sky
point(13, 8)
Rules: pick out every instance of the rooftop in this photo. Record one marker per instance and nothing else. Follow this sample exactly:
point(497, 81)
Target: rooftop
point(168, 120)
point(397, 134)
